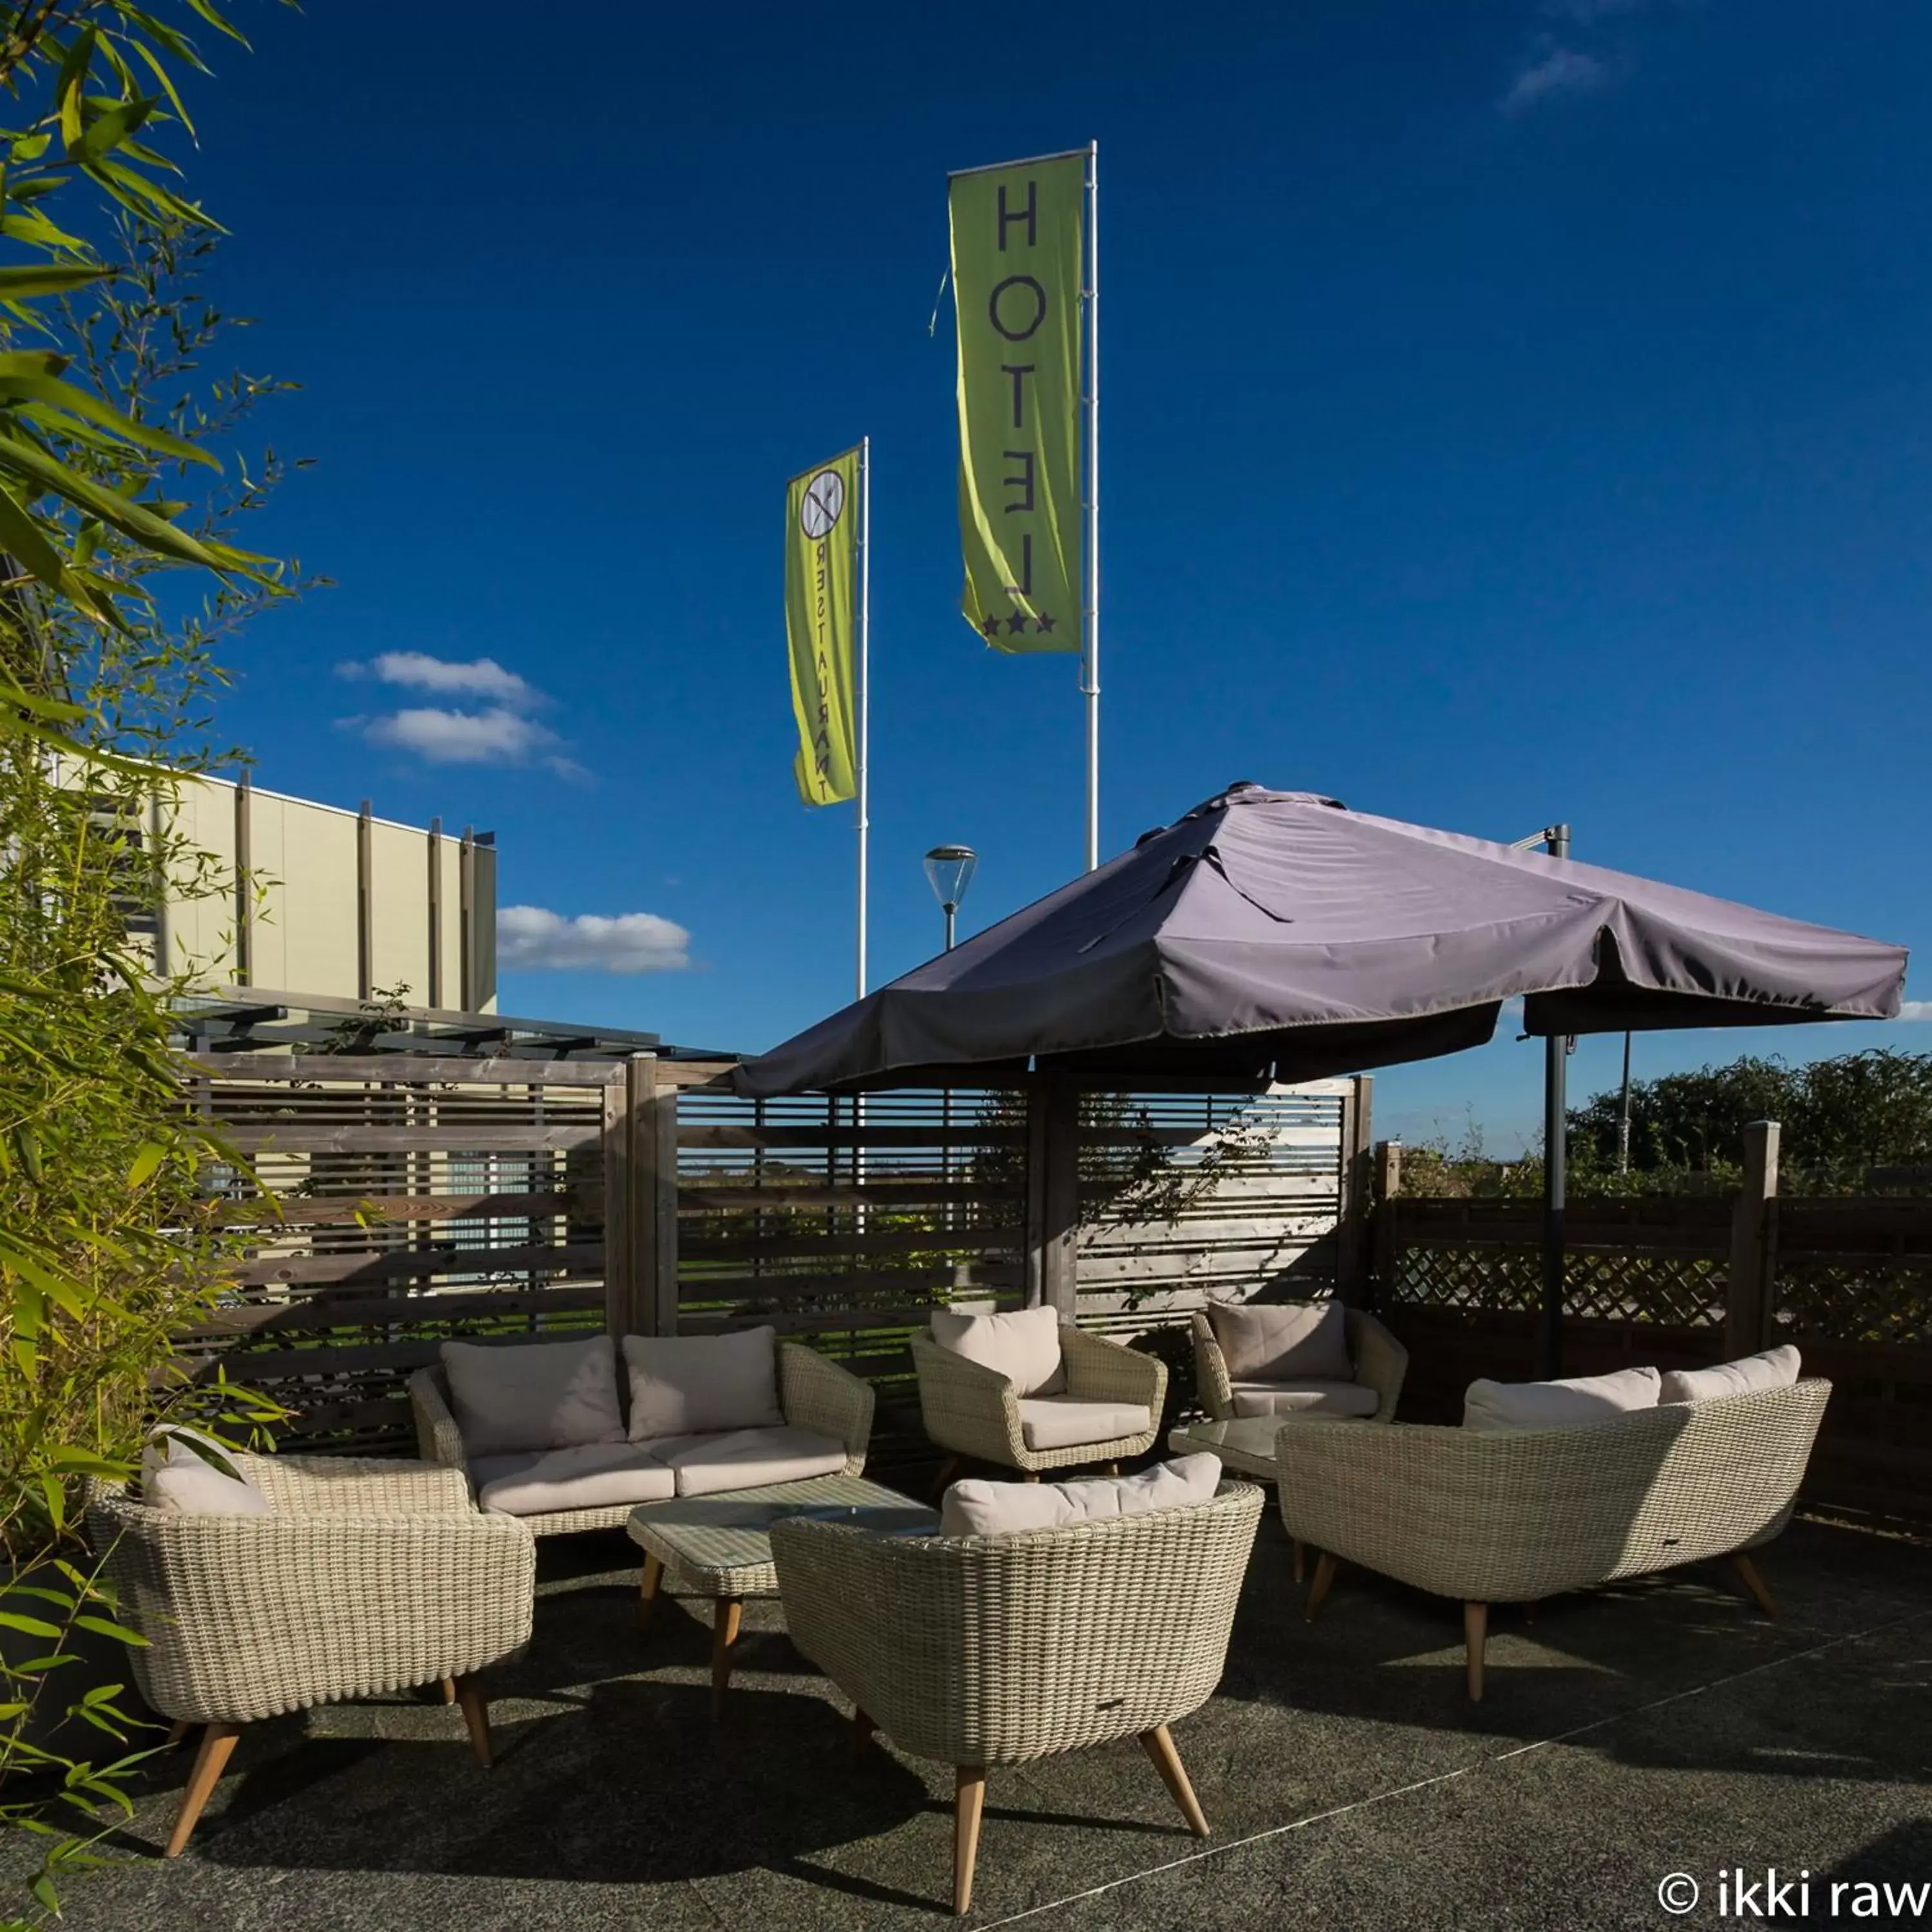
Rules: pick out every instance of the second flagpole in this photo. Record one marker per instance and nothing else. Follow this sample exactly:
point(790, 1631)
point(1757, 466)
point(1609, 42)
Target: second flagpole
point(1090, 657)
point(862, 777)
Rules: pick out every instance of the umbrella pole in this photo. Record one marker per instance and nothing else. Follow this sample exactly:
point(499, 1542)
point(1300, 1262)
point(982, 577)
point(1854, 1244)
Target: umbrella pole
point(1555, 1165)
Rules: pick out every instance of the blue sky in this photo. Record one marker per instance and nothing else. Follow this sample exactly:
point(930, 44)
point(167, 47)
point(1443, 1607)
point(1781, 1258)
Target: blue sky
point(1514, 410)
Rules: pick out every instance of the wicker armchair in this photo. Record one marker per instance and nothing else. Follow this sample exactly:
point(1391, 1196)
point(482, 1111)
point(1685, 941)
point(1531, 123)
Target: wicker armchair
point(1491, 1516)
point(973, 1413)
point(1381, 1362)
point(984, 1651)
point(814, 1392)
point(370, 1576)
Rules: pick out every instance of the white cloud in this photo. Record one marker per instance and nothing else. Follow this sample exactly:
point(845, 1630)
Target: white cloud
point(1916, 1009)
point(496, 737)
point(484, 677)
point(627, 942)
point(501, 732)
point(1553, 73)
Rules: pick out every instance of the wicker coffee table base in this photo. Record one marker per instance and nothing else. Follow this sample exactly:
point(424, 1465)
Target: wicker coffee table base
point(721, 1544)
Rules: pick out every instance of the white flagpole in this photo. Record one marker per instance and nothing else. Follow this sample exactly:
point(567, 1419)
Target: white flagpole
point(865, 720)
point(1090, 657)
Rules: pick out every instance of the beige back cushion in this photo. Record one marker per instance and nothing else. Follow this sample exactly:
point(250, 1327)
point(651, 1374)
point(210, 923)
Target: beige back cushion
point(536, 1395)
point(685, 1384)
point(1023, 1346)
point(977, 1508)
point(176, 1474)
point(1775, 1368)
point(1283, 1341)
point(1488, 1405)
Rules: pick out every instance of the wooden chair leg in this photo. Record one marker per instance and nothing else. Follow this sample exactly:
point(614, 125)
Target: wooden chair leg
point(448, 1690)
point(1301, 1549)
point(1754, 1582)
point(969, 1800)
point(1326, 1564)
point(179, 1729)
point(1111, 1468)
point(211, 1760)
point(863, 1731)
point(1029, 1476)
point(647, 1600)
point(1475, 1636)
point(476, 1715)
point(1159, 1745)
point(948, 1470)
point(725, 1617)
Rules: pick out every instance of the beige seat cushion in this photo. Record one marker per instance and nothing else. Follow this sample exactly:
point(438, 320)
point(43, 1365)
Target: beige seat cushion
point(743, 1458)
point(979, 1508)
point(1283, 1341)
point(1775, 1368)
point(591, 1475)
point(183, 1470)
point(1024, 1346)
point(533, 1395)
point(1308, 1396)
point(1559, 1405)
point(681, 1384)
point(1066, 1422)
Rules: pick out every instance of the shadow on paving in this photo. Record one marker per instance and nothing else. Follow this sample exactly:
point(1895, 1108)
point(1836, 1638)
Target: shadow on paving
point(616, 1801)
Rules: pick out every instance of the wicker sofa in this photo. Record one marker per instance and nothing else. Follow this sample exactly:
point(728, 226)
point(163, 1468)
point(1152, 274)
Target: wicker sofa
point(1379, 1361)
point(985, 1651)
point(1516, 1515)
point(367, 1577)
point(975, 1413)
point(814, 1393)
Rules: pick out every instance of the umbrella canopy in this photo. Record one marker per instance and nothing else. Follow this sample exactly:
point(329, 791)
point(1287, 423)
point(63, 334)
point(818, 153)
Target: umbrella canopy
point(1275, 934)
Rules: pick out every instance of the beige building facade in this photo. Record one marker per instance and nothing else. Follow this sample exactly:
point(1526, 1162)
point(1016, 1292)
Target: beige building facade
point(332, 903)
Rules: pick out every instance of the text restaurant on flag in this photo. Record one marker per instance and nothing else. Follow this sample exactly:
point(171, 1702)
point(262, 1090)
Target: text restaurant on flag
point(828, 536)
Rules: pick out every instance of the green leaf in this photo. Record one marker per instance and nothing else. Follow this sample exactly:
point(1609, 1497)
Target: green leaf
point(146, 1162)
point(69, 81)
point(119, 1632)
point(29, 1626)
point(132, 519)
point(106, 132)
point(46, 279)
point(167, 86)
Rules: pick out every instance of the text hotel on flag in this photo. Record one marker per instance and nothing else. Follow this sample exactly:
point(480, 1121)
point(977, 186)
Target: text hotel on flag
point(822, 516)
point(1016, 283)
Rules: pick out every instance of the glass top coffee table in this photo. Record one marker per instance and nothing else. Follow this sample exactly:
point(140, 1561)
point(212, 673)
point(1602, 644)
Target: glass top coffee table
point(722, 1544)
point(1243, 1442)
point(1246, 1443)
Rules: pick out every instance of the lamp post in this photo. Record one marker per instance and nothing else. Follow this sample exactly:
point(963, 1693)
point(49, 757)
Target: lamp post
point(949, 869)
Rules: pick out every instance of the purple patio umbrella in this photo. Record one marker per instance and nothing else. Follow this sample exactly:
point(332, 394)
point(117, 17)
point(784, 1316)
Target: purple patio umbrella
point(1273, 934)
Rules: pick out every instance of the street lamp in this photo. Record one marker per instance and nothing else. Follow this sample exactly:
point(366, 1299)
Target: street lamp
point(949, 869)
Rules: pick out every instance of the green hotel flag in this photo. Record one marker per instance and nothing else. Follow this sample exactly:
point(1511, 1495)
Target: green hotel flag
point(821, 555)
point(1016, 258)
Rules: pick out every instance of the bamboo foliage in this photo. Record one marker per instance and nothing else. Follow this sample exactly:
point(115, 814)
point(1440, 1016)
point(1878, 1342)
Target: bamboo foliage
point(110, 1239)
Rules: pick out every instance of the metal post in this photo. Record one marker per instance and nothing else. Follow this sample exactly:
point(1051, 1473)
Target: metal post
point(1089, 660)
point(1623, 1115)
point(862, 776)
point(950, 911)
point(1556, 1164)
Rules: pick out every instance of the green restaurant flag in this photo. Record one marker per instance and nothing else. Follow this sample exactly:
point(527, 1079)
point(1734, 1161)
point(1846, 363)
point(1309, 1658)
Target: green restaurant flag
point(821, 551)
point(1016, 257)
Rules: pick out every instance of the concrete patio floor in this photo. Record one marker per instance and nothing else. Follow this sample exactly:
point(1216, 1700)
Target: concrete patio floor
point(1629, 1733)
